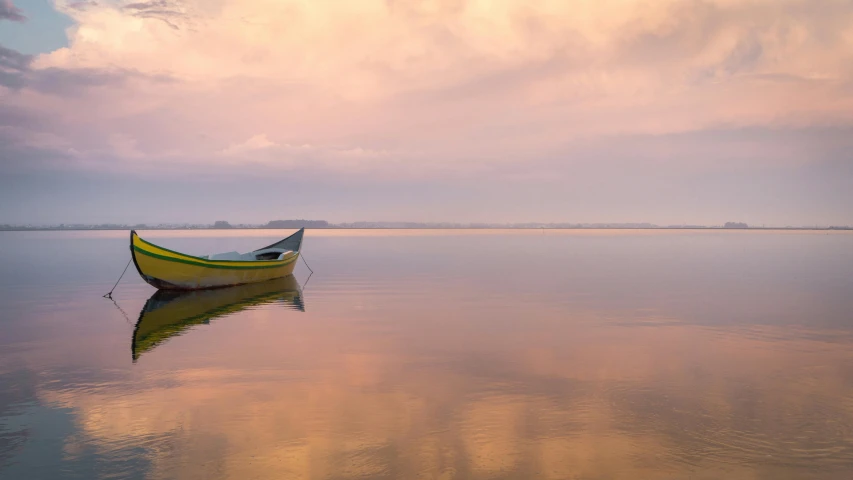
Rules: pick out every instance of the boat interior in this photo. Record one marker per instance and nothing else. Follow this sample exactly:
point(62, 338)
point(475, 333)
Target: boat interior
point(265, 254)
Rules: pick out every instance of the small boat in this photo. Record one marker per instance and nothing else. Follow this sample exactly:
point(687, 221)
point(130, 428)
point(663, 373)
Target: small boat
point(166, 269)
point(171, 313)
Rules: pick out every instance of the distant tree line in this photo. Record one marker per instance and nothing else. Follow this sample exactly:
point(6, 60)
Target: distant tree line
point(222, 224)
point(297, 224)
point(735, 225)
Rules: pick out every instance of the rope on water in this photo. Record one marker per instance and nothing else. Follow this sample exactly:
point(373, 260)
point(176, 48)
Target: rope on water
point(121, 310)
point(306, 263)
point(110, 293)
point(302, 288)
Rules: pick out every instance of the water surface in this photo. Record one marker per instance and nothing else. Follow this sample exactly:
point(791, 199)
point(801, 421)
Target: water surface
point(435, 354)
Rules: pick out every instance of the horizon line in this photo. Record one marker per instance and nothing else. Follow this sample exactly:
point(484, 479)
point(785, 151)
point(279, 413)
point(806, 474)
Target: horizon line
point(411, 226)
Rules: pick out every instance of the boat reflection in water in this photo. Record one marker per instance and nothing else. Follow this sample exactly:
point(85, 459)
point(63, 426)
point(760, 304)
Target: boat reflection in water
point(170, 313)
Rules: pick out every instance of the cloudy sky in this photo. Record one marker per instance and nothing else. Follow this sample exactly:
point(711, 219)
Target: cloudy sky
point(665, 111)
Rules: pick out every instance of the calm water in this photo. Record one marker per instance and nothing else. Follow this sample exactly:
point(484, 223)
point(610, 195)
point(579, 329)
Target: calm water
point(435, 354)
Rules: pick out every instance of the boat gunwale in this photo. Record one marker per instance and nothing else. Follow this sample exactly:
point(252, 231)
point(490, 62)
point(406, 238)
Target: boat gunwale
point(209, 264)
point(133, 232)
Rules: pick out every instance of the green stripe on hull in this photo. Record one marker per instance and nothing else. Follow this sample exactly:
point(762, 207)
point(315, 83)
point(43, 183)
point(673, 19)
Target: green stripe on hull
point(142, 240)
point(210, 265)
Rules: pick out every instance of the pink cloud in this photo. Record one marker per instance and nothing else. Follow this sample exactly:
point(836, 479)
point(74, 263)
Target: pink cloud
point(428, 86)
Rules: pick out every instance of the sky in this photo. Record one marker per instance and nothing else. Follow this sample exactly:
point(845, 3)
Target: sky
point(669, 112)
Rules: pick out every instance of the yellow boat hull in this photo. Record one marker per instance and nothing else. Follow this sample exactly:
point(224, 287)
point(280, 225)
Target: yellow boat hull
point(166, 269)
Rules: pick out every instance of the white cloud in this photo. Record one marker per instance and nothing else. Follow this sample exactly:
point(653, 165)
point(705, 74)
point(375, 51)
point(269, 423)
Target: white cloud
point(257, 142)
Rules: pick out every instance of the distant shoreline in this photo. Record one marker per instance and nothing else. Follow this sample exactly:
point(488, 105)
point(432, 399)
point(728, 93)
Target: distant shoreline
point(83, 229)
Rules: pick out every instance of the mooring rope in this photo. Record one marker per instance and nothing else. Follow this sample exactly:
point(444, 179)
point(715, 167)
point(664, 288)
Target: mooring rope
point(110, 293)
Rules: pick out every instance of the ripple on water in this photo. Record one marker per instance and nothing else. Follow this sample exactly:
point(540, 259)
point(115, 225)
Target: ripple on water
point(770, 428)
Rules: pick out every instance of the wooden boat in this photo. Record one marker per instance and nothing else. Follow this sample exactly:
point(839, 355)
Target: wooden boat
point(166, 269)
point(170, 313)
